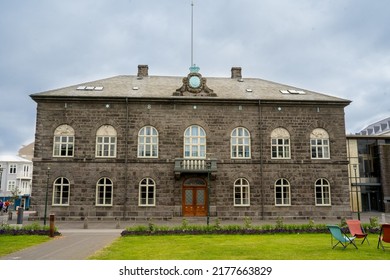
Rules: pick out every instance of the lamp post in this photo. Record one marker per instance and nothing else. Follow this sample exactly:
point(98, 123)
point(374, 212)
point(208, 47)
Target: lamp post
point(357, 192)
point(47, 192)
point(208, 166)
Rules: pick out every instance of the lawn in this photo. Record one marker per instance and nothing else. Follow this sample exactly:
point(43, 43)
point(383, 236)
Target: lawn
point(237, 247)
point(13, 243)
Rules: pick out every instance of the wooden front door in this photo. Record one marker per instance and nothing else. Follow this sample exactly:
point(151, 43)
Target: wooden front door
point(194, 198)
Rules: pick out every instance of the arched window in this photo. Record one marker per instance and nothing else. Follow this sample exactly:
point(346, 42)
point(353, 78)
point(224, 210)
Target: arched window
point(104, 192)
point(282, 193)
point(280, 144)
point(241, 192)
point(106, 141)
point(147, 192)
point(61, 192)
point(63, 143)
point(240, 140)
point(148, 142)
point(195, 142)
point(322, 192)
point(319, 144)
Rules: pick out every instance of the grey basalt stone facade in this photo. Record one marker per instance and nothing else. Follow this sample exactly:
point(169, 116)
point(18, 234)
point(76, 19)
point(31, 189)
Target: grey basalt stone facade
point(170, 105)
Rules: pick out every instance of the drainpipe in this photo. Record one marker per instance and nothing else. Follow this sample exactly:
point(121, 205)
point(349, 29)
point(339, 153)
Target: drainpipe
point(126, 158)
point(261, 162)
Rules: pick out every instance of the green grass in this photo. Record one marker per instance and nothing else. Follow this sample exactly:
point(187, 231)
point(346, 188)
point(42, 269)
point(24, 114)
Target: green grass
point(13, 243)
point(237, 247)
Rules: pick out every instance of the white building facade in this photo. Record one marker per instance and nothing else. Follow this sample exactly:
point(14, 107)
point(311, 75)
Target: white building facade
point(16, 180)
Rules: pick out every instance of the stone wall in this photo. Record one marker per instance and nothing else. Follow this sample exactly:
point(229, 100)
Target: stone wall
point(171, 118)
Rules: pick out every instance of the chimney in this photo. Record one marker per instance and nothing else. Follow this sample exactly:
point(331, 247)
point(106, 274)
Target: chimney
point(143, 71)
point(236, 73)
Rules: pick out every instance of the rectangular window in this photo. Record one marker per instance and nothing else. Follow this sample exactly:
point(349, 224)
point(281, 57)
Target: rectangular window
point(12, 169)
point(319, 149)
point(282, 196)
point(61, 195)
point(241, 196)
point(63, 146)
point(147, 196)
point(11, 185)
point(104, 195)
point(105, 146)
point(280, 148)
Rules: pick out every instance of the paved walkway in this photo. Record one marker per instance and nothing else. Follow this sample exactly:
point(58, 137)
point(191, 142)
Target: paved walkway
point(78, 240)
point(71, 245)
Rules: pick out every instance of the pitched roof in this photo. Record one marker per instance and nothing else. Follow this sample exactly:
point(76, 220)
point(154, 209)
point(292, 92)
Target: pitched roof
point(11, 158)
point(128, 86)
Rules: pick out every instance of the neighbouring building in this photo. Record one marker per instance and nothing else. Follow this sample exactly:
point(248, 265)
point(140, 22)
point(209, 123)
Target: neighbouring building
point(142, 146)
point(15, 180)
point(369, 169)
point(27, 151)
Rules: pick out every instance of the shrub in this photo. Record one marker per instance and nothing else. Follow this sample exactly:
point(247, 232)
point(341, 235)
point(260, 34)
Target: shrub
point(32, 229)
point(226, 229)
point(247, 222)
point(374, 222)
point(279, 222)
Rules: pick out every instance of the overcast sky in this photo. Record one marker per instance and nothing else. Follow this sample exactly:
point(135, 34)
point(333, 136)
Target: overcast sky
point(337, 47)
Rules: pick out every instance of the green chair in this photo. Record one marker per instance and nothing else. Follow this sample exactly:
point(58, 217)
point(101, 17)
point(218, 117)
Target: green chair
point(340, 237)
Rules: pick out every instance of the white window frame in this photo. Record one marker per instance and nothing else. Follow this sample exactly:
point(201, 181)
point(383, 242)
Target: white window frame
point(319, 144)
point(322, 187)
point(63, 141)
point(240, 143)
point(105, 187)
point(148, 142)
point(106, 137)
point(195, 142)
point(241, 192)
point(13, 168)
point(11, 185)
point(285, 192)
point(147, 187)
point(26, 187)
point(59, 192)
point(27, 171)
point(280, 144)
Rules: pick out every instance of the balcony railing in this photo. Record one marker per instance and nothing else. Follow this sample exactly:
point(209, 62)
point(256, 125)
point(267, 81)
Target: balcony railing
point(183, 165)
point(24, 175)
point(365, 181)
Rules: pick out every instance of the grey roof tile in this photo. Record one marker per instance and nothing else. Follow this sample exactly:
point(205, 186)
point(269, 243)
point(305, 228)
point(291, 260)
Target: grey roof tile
point(164, 87)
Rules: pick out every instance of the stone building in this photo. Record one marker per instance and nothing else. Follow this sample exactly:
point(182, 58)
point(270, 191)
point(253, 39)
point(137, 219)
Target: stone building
point(139, 146)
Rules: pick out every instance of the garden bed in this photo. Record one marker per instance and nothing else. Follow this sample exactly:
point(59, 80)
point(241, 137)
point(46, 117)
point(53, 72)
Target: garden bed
point(246, 228)
point(32, 229)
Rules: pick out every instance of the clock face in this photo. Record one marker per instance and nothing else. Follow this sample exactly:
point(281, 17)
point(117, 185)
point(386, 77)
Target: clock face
point(194, 82)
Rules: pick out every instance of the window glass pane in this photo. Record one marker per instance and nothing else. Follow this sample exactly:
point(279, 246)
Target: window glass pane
point(200, 197)
point(189, 198)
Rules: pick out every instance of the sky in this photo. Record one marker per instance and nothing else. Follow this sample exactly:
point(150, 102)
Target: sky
point(335, 47)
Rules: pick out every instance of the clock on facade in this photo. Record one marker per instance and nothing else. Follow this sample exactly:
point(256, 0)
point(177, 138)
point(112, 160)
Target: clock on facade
point(194, 82)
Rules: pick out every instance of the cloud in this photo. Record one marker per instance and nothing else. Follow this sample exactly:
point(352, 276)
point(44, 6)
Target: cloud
point(335, 47)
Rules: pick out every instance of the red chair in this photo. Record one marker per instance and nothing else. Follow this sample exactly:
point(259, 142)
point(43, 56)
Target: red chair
point(356, 229)
point(384, 235)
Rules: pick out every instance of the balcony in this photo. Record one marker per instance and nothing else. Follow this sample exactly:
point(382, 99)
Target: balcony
point(24, 175)
point(205, 166)
point(366, 181)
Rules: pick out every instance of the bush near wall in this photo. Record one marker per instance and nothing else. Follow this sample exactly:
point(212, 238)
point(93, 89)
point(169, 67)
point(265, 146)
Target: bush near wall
point(32, 229)
point(247, 228)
